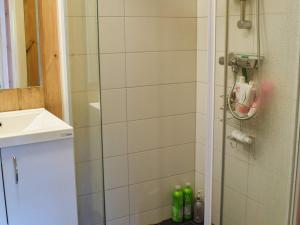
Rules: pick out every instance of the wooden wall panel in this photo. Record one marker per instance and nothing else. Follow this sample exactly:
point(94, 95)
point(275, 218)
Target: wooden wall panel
point(20, 99)
point(50, 56)
point(9, 100)
point(31, 43)
point(31, 98)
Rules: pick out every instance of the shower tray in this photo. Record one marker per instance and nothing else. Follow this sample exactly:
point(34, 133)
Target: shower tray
point(170, 222)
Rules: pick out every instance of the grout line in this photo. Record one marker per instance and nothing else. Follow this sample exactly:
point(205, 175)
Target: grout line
point(88, 161)
point(177, 17)
point(151, 85)
point(155, 51)
point(149, 210)
point(133, 52)
point(90, 194)
point(155, 117)
point(126, 93)
point(151, 180)
point(118, 218)
point(142, 212)
point(87, 126)
point(151, 149)
point(136, 16)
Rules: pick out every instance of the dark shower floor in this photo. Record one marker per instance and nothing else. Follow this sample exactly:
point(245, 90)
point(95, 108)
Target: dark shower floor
point(169, 222)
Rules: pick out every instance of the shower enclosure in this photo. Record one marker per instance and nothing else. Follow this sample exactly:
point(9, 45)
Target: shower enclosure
point(256, 98)
point(140, 74)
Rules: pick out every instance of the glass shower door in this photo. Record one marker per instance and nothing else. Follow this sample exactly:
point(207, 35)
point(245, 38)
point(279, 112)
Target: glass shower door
point(255, 163)
point(84, 76)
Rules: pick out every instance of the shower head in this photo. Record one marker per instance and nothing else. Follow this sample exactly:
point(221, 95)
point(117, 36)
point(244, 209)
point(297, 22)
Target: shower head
point(243, 23)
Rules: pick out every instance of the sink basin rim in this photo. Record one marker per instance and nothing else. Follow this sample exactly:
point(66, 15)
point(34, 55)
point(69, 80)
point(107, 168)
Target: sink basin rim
point(24, 136)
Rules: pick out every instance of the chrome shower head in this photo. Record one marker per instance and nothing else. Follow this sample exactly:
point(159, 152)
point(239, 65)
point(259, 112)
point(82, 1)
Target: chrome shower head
point(243, 23)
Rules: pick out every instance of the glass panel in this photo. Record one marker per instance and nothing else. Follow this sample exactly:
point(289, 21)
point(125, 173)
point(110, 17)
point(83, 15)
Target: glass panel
point(148, 84)
point(259, 152)
point(84, 73)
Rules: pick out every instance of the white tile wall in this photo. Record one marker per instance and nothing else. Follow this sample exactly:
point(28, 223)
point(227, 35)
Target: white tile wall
point(84, 80)
point(160, 132)
point(160, 34)
point(161, 163)
point(153, 68)
point(113, 76)
point(89, 180)
point(202, 95)
point(162, 100)
point(151, 217)
point(116, 172)
point(161, 8)
point(82, 35)
point(113, 105)
point(90, 208)
point(148, 73)
point(116, 203)
point(87, 143)
point(155, 194)
point(114, 139)
point(153, 56)
point(121, 221)
point(111, 34)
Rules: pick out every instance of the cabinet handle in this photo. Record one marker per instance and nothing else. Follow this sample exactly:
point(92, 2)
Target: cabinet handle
point(16, 169)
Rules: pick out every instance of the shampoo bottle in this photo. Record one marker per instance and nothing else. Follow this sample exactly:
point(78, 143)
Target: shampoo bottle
point(177, 205)
point(199, 209)
point(188, 199)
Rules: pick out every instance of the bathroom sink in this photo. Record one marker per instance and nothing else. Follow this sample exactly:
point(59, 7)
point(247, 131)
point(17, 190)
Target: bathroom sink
point(31, 126)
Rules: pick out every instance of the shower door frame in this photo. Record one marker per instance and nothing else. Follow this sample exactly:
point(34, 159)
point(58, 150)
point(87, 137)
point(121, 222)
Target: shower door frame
point(212, 9)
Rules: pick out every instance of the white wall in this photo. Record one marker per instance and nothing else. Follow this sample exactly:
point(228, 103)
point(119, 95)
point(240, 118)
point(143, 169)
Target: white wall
point(148, 73)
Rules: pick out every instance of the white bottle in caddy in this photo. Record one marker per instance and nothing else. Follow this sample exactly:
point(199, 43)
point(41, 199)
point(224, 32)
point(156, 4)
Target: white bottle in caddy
point(245, 96)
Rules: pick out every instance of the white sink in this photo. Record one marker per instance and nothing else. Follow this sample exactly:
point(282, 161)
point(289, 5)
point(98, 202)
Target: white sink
point(31, 126)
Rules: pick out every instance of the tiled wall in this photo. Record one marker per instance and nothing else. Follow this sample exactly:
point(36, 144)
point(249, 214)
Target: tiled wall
point(154, 97)
point(84, 78)
point(148, 74)
point(257, 180)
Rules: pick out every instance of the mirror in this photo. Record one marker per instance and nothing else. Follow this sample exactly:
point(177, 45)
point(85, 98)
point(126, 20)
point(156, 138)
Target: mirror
point(20, 54)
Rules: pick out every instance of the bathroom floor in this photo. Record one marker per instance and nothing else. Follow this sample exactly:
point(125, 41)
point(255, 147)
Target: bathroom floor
point(170, 222)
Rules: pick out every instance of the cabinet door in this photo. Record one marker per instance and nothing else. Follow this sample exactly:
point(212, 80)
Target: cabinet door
point(40, 184)
point(3, 220)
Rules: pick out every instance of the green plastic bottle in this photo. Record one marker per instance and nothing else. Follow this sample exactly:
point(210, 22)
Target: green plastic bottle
point(177, 205)
point(188, 199)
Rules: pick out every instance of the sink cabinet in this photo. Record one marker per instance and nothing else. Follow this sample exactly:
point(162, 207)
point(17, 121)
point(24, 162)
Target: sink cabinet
point(38, 184)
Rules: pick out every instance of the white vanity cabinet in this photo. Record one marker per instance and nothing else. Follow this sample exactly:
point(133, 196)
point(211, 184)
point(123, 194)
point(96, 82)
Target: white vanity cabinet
point(39, 183)
point(37, 173)
point(3, 219)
